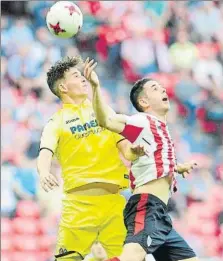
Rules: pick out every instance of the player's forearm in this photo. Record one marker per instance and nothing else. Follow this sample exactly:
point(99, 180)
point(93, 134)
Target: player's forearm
point(102, 110)
point(44, 161)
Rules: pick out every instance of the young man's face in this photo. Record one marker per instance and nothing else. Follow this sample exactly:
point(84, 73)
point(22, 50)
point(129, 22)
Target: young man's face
point(76, 85)
point(154, 98)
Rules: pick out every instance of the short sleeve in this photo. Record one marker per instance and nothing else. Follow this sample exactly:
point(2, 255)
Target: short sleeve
point(118, 137)
point(133, 127)
point(50, 135)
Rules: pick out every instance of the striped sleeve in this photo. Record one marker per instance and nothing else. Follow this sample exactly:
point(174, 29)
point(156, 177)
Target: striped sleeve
point(133, 128)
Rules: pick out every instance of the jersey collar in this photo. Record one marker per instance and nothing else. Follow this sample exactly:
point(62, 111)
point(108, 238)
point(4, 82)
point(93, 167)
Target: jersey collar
point(84, 104)
point(154, 117)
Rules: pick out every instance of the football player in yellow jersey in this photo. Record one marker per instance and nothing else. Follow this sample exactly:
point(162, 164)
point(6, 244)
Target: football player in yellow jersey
point(92, 170)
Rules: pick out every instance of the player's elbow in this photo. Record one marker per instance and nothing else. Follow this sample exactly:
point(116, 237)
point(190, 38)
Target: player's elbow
point(103, 123)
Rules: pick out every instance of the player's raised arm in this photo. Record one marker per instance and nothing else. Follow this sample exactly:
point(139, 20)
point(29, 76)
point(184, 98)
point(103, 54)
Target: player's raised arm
point(106, 117)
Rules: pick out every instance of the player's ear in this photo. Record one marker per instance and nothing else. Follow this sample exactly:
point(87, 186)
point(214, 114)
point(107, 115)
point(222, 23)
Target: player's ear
point(143, 102)
point(62, 88)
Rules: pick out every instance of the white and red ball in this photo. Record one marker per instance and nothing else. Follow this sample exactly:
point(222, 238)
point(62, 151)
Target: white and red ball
point(64, 19)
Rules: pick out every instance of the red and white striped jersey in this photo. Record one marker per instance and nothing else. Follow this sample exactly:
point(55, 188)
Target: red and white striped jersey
point(160, 161)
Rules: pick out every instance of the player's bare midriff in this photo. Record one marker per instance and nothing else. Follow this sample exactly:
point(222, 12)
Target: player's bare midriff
point(159, 188)
point(95, 189)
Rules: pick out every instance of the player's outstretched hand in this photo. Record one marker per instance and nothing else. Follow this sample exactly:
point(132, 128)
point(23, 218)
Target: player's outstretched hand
point(48, 181)
point(185, 168)
point(89, 72)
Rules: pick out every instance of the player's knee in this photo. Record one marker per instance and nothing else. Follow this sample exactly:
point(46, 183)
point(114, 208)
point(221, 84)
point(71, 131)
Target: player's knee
point(133, 252)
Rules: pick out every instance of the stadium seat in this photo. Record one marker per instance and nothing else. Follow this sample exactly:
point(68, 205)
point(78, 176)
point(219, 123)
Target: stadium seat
point(28, 209)
point(128, 72)
point(182, 110)
point(48, 225)
point(209, 126)
point(25, 243)
point(45, 255)
point(26, 256)
point(206, 47)
point(208, 228)
point(6, 226)
point(6, 243)
point(200, 114)
point(212, 245)
point(46, 242)
point(6, 256)
point(27, 226)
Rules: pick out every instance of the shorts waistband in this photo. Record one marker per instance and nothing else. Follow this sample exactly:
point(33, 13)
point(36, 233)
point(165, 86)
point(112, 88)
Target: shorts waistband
point(151, 197)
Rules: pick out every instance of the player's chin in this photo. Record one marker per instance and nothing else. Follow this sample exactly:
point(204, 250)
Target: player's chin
point(166, 107)
point(85, 88)
point(85, 91)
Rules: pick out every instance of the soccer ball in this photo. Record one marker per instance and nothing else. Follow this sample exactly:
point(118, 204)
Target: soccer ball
point(64, 19)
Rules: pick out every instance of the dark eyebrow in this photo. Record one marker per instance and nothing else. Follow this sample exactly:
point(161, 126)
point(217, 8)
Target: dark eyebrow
point(74, 73)
point(154, 85)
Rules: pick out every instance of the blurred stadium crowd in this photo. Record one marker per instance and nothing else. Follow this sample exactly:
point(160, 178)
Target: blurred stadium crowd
point(178, 43)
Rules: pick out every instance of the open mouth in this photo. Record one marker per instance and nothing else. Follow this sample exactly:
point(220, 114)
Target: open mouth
point(164, 99)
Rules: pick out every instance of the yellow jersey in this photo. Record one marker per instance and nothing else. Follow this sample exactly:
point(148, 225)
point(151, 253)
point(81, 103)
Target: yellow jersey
point(86, 152)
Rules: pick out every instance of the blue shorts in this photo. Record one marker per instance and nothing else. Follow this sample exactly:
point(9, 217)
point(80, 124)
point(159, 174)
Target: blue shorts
point(149, 225)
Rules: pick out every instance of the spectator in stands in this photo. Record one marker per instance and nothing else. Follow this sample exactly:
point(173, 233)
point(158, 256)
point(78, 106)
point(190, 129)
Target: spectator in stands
point(214, 108)
point(206, 20)
point(158, 9)
point(20, 33)
point(183, 52)
point(163, 59)
point(189, 94)
point(39, 10)
point(143, 59)
point(208, 69)
point(25, 185)
point(25, 178)
point(8, 199)
point(220, 44)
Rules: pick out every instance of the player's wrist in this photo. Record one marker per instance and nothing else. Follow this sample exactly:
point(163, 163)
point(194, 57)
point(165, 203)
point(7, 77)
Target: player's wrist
point(179, 168)
point(43, 173)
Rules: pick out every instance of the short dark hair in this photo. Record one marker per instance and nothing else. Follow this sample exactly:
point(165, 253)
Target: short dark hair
point(136, 91)
point(57, 71)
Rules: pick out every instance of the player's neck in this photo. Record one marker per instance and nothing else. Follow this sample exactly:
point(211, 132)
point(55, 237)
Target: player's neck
point(158, 116)
point(76, 101)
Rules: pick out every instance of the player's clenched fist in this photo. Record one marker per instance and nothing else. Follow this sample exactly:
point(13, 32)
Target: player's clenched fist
point(48, 181)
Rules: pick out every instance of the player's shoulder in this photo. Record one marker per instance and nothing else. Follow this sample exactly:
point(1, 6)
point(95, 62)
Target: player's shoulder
point(137, 118)
point(55, 117)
